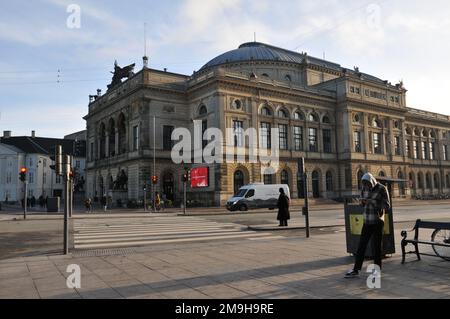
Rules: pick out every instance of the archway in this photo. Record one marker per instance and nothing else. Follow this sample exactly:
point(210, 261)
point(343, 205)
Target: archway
point(168, 186)
point(121, 127)
point(300, 185)
point(316, 184)
point(401, 185)
point(238, 180)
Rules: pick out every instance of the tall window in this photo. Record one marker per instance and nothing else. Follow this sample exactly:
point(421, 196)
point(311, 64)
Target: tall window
point(416, 150)
point(329, 181)
point(265, 135)
point(357, 141)
point(424, 151)
point(31, 178)
point(408, 148)
point(327, 141)
point(136, 137)
point(397, 145)
point(238, 127)
point(312, 136)
point(377, 143)
point(283, 136)
point(298, 138)
point(444, 153)
point(167, 137)
point(432, 151)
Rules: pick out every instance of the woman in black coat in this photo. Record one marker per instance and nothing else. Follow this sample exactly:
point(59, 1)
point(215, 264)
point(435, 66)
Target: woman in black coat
point(283, 208)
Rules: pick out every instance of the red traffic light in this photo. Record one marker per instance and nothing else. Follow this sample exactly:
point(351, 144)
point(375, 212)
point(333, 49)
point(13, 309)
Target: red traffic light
point(23, 170)
point(155, 179)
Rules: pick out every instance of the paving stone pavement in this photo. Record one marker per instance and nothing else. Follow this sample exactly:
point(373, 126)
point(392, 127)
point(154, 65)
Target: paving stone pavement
point(292, 267)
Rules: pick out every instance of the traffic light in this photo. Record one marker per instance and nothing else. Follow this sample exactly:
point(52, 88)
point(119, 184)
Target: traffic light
point(154, 179)
point(57, 158)
point(185, 177)
point(145, 187)
point(23, 174)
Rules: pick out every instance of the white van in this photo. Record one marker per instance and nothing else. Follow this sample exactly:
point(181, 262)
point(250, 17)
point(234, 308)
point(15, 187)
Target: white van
point(256, 196)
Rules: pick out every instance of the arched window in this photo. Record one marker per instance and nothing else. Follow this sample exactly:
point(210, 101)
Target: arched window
point(412, 181)
point(238, 181)
point(420, 180)
point(313, 117)
point(382, 174)
point(436, 180)
point(284, 177)
point(121, 126)
point(401, 185)
point(265, 75)
point(329, 181)
point(300, 185)
point(203, 110)
point(428, 180)
point(282, 114)
point(316, 184)
point(288, 78)
point(447, 180)
point(102, 132)
point(326, 120)
point(298, 116)
point(266, 111)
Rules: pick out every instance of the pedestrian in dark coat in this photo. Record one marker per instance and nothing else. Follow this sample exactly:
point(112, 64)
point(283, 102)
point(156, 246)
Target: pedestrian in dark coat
point(283, 208)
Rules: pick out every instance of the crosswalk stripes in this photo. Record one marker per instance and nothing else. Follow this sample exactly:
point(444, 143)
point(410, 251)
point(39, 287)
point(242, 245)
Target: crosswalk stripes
point(94, 234)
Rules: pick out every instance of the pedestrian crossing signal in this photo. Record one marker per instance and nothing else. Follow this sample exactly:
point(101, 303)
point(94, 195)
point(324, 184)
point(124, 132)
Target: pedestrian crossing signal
point(155, 179)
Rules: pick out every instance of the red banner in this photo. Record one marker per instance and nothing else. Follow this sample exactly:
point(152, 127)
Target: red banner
point(200, 177)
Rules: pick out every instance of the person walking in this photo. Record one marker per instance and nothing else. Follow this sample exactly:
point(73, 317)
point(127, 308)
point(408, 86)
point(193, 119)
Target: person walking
point(283, 208)
point(104, 203)
point(157, 201)
point(375, 199)
point(88, 205)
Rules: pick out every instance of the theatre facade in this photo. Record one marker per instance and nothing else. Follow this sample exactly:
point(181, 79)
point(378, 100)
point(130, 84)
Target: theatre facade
point(342, 121)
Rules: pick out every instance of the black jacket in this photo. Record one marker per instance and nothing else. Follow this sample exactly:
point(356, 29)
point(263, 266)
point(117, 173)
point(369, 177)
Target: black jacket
point(283, 207)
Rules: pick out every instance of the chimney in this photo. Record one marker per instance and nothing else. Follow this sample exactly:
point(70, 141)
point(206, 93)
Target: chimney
point(33, 134)
point(145, 62)
point(165, 69)
point(99, 92)
point(6, 134)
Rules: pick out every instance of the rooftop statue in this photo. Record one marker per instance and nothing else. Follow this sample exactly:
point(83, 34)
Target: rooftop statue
point(120, 73)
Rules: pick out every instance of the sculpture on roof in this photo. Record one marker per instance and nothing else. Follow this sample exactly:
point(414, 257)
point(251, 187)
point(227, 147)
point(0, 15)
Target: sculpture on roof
point(120, 73)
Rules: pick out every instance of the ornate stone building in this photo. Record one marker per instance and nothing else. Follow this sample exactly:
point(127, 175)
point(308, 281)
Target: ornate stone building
point(344, 122)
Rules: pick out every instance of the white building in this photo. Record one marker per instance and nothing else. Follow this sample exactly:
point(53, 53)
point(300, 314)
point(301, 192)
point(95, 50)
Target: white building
point(34, 154)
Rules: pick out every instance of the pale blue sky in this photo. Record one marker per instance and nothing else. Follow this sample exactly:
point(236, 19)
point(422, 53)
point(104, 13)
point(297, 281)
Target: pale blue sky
point(391, 39)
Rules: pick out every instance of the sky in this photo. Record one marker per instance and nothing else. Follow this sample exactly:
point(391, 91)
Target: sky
point(48, 67)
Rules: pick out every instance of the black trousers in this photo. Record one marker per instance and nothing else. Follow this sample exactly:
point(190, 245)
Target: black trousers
point(375, 232)
point(283, 222)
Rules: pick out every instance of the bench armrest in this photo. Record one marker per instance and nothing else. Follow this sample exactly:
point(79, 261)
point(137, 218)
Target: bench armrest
point(404, 233)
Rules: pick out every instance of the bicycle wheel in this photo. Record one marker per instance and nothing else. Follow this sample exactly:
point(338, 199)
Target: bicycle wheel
point(443, 237)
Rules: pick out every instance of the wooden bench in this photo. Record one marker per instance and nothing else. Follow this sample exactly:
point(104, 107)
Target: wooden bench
point(439, 238)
